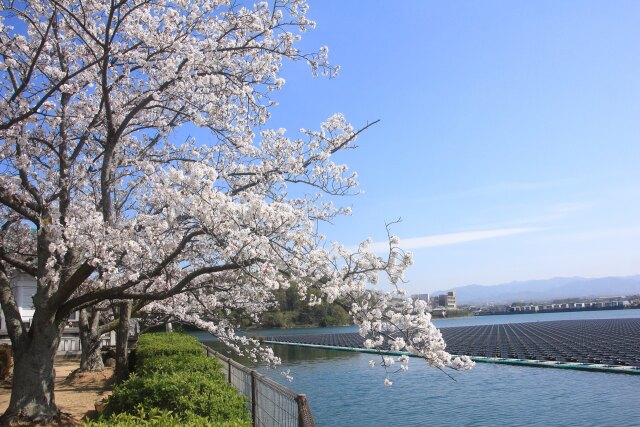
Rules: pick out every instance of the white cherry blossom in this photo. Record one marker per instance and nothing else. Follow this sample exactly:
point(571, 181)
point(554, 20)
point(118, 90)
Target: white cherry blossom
point(102, 200)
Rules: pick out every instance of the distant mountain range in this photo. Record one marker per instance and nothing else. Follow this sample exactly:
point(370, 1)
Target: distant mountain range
point(546, 290)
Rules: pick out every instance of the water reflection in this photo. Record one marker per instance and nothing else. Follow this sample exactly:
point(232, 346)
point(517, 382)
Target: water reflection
point(288, 353)
point(294, 355)
point(344, 391)
point(299, 331)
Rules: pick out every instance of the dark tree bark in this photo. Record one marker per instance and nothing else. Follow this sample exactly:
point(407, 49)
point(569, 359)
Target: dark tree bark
point(122, 342)
point(32, 397)
point(34, 351)
point(91, 356)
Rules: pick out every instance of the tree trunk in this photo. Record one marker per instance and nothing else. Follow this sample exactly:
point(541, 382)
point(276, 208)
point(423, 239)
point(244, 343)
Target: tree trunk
point(91, 356)
point(32, 395)
point(122, 343)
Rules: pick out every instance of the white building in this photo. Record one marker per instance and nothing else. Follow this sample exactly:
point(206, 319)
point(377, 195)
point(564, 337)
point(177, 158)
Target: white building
point(448, 300)
point(24, 288)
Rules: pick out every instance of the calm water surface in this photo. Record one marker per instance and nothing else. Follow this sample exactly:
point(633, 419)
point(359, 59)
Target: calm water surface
point(344, 391)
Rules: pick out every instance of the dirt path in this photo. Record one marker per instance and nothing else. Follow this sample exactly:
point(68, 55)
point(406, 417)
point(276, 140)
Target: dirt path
point(76, 394)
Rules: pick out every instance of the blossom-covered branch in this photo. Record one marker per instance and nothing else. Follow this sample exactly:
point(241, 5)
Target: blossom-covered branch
point(103, 201)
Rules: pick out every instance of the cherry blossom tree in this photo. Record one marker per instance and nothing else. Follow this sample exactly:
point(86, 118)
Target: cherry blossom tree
point(89, 327)
point(101, 199)
point(94, 322)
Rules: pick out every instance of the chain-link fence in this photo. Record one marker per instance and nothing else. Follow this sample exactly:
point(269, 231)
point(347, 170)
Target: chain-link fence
point(271, 403)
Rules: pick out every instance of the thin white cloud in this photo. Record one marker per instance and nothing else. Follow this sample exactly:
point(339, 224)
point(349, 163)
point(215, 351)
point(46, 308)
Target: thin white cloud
point(413, 243)
point(553, 213)
point(604, 234)
point(496, 189)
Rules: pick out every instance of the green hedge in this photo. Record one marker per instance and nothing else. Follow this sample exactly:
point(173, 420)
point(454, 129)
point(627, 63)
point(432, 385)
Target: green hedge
point(167, 343)
point(189, 362)
point(160, 418)
point(182, 392)
point(175, 384)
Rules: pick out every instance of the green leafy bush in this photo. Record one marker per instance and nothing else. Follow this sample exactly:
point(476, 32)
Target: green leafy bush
point(160, 418)
point(181, 392)
point(175, 384)
point(162, 364)
point(170, 343)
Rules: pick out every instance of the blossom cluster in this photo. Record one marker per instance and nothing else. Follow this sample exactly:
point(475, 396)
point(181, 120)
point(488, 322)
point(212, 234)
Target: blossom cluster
point(102, 200)
point(403, 326)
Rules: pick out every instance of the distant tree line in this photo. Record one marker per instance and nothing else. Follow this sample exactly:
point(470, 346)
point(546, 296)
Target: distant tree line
point(290, 310)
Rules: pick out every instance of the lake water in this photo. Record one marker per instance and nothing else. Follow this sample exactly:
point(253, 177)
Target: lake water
point(343, 390)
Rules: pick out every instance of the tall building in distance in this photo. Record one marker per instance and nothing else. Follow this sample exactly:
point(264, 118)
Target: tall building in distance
point(447, 300)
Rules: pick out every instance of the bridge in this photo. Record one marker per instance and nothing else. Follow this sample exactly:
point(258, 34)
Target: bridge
point(606, 345)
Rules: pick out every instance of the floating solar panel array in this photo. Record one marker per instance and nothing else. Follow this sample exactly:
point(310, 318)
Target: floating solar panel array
point(604, 342)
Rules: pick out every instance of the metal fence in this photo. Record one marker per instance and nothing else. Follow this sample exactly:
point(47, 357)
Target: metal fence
point(271, 403)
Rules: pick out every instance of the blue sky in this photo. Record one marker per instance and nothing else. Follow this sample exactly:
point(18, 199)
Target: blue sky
point(509, 141)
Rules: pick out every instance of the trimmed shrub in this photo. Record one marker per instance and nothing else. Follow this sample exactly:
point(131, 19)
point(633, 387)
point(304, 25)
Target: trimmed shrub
point(160, 418)
point(175, 384)
point(151, 365)
point(181, 392)
point(167, 343)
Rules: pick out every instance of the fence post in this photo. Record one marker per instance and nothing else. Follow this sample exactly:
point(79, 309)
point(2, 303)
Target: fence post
point(304, 418)
point(301, 400)
point(254, 403)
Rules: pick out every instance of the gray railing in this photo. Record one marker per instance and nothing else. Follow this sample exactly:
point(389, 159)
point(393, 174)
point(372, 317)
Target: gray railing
point(271, 403)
